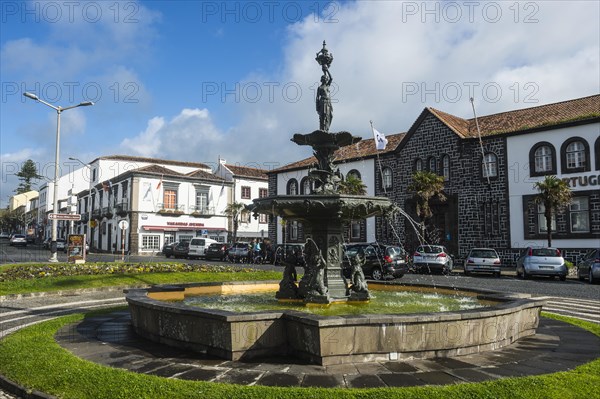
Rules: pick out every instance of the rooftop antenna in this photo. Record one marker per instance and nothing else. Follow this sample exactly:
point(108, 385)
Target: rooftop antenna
point(485, 166)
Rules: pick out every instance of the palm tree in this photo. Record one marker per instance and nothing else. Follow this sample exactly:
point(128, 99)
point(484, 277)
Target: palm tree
point(554, 194)
point(352, 186)
point(426, 185)
point(234, 211)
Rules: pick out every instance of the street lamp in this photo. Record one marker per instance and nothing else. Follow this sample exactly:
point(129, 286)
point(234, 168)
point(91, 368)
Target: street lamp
point(89, 210)
point(59, 110)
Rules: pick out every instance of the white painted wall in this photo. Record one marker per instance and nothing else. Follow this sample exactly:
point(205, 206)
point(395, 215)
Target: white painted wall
point(520, 183)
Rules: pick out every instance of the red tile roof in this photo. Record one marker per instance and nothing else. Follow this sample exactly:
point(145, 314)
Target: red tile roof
point(362, 149)
point(132, 158)
point(245, 171)
point(523, 119)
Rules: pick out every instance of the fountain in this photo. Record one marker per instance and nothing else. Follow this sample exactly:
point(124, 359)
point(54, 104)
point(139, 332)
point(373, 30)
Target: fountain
point(322, 339)
point(324, 212)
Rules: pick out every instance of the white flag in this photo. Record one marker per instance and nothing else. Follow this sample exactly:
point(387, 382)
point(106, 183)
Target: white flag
point(380, 140)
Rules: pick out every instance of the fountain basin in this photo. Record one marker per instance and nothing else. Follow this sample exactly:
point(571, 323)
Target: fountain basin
point(327, 340)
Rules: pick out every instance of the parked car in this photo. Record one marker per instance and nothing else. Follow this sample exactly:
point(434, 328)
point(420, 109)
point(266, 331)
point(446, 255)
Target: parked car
point(216, 250)
point(198, 246)
point(4, 235)
point(589, 267)
point(380, 260)
point(61, 244)
point(30, 239)
point(432, 258)
point(46, 243)
point(18, 240)
point(238, 252)
point(181, 249)
point(281, 252)
point(541, 262)
point(167, 250)
point(482, 260)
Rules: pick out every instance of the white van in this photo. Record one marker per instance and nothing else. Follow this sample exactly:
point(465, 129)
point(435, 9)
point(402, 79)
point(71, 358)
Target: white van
point(198, 246)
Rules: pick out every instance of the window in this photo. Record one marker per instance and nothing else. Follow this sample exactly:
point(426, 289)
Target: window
point(305, 186)
point(201, 200)
point(263, 192)
point(93, 175)
point(418, 165)
point(185, 237)
point(355, 230)
point(292, 187)
point(597, 153)
point(543, 159)
point(245, 192)
point(354, 173)
point(575, 155)
point(579, 215)
point(490, 165)
point(387, 178)
point(446, 167)
point(170, 199)
point(294, 230)
point(262, 218)
point(150, 242)
point(124, 190)
point(431, 165)
point(541, 209)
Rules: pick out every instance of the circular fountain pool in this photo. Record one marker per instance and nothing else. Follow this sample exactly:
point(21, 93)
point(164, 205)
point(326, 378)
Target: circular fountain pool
point(160, 314)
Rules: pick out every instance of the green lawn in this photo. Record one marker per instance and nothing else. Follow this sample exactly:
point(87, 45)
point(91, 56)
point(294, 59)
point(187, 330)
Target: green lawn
point(33, 358)
point(27, 278)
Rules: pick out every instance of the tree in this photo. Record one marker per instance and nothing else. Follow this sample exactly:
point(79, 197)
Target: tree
point(234, 211)
point(27, 173)
point(352, 186)
point(426, 185)
point(554, 194)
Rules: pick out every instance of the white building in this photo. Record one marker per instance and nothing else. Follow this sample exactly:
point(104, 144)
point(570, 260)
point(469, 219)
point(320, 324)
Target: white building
point(161, 200)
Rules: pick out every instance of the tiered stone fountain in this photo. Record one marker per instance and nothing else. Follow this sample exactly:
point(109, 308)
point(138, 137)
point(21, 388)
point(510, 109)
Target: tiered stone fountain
point(325, 212)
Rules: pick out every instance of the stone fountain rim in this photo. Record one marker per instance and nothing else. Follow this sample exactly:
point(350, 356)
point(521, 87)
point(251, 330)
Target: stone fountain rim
point(507, 303)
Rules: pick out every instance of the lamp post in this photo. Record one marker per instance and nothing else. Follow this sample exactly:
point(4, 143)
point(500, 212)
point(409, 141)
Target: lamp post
point(89, 207)
point(59, 110)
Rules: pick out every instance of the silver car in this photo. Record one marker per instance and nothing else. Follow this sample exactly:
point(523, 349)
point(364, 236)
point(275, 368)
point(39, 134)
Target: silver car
point(432, 258)
point(482, 260)
point(541, 262)
point(589, 267)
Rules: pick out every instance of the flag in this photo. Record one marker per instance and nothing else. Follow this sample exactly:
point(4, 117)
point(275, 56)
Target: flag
point(159, 183)
point(380, 140)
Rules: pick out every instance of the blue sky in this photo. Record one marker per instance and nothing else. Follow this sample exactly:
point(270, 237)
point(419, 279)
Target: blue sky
point(197, 80)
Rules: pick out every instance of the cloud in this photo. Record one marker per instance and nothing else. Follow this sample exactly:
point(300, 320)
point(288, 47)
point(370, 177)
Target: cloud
point(190, 135)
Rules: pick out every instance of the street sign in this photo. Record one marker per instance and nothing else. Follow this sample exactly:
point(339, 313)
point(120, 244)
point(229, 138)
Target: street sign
point(123, 225)
point(64, 216)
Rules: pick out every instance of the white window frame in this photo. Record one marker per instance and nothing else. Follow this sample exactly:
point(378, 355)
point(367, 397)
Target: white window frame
point(579, 215)
point(490, 165)
point(151, 242)
point(575, 155)
point(387, 177)
point(355, 230)
point(543, 159)
point(446, 167)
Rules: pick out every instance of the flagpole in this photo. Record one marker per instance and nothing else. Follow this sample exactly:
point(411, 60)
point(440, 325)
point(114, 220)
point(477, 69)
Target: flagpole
point(487, 174)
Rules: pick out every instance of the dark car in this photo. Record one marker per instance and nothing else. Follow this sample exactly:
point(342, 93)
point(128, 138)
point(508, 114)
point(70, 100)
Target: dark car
point(168, 249)
point(216, 250)
point(589, 267)
point(181, 249)
point(30, 239)
point(380, 260)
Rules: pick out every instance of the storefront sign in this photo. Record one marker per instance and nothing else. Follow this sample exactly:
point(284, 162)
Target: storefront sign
point(185, 224)
point(582, 181)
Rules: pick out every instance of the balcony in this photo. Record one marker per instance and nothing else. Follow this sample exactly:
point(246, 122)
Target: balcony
point(122, 208)
point(107, 212)
point(97, 214)
point(169, 209)
point(202, 211)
